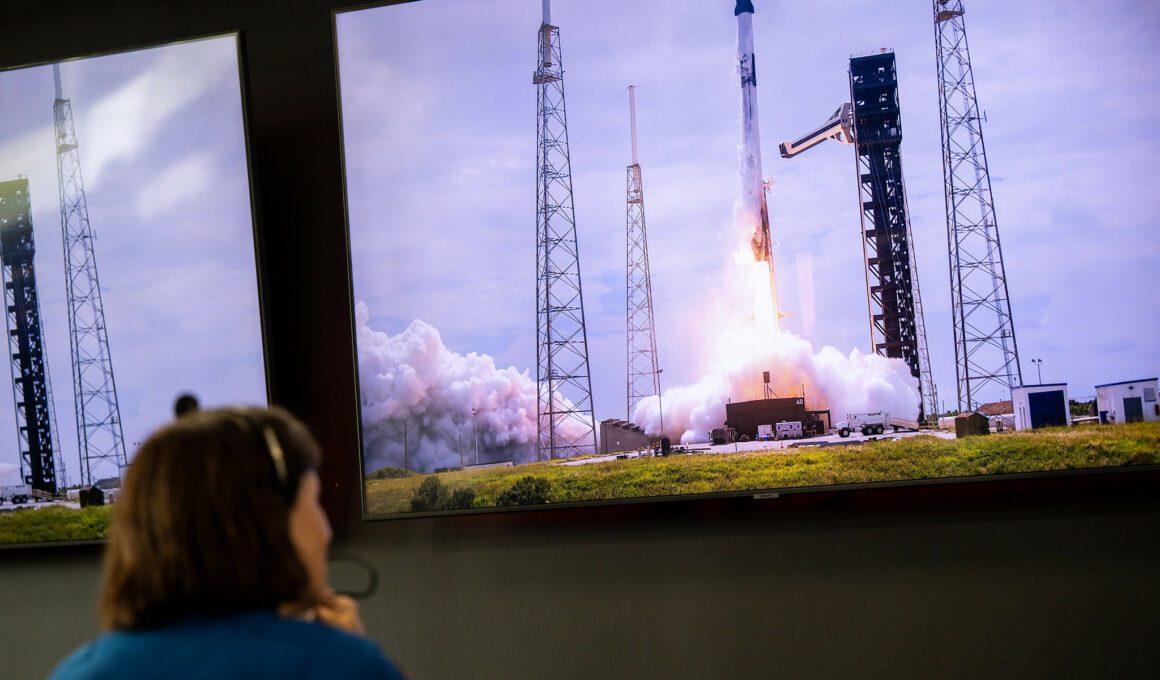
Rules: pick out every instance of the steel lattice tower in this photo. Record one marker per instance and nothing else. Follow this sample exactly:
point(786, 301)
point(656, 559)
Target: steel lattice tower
point(986, 354)
point(643, 373)
point(893, 298)
point(99, 436)
point(30, 392)
point(926, 375)
point(563, 382)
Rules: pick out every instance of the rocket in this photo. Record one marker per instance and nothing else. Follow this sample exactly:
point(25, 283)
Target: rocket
point(753, 198)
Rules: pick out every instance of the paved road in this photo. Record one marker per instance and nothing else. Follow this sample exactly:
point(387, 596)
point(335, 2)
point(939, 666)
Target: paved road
point(854, 437)
point(32, 505)
point(787, 445)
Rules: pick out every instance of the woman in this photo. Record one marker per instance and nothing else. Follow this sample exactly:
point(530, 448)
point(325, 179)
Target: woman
point(216, 561)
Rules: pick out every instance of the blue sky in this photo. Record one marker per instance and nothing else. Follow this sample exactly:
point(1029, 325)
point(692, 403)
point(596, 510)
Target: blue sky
point(439, 116)
point(162, 151)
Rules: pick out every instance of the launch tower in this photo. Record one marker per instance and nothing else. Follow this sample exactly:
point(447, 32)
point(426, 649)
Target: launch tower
point(102, 449)
point(643, 374)
point(986, 355)
point(873, 124)
point(26, 339)
point(563, 383)
point(894, 301)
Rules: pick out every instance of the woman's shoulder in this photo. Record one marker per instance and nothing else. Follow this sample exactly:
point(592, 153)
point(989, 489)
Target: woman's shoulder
point(323, 650)
point(254, 645)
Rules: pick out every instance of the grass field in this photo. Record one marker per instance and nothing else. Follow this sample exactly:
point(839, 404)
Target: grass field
point(918, 457)
point(54, 523)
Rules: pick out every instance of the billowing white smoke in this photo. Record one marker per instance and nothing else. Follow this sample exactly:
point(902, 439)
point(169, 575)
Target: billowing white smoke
point(841, 383)
point(445, 405)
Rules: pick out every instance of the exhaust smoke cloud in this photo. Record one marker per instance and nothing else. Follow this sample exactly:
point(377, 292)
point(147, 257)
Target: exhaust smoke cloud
point(842, 383)
point(426, 407)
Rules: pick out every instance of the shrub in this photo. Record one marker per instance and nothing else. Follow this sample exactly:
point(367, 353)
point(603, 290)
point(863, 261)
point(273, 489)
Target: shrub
point(433, 495)
point(527, 490)
point(389, 473)
point(461, 499)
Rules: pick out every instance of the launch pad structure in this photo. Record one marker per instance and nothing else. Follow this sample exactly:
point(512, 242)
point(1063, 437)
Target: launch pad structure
point(30, 391)
point(986, 351)
point(565, 416)
point(871, 121)
point(897, 329)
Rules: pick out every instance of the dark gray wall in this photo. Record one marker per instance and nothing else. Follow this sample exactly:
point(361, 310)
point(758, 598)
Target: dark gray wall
point(1069, 590)
point(1046, 579)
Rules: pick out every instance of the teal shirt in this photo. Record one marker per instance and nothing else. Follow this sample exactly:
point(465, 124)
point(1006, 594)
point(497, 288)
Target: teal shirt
point(250, 645)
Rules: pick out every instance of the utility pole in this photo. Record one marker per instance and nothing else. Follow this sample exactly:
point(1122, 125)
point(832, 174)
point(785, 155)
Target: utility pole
point(475, 435)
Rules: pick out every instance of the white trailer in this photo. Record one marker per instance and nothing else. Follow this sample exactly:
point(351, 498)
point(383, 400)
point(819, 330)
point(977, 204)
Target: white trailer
point(22, 493)
point(764, 433)
point(874, 422)
point(904, 424)
point(789, 429)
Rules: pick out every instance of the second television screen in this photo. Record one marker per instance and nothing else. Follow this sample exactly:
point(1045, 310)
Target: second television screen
point(540, 294)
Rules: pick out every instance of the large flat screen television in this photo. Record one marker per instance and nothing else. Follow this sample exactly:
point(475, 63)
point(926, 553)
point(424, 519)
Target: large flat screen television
point(129, 271)
point(561, 297)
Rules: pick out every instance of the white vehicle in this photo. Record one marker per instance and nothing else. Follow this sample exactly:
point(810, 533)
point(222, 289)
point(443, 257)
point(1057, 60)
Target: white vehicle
point(875, 422)
point(22, 493)
point(764, 433)
point(789, 429)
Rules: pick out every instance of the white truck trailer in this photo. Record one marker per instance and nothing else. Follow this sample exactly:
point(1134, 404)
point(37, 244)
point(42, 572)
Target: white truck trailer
point(789, 429)
point(22, 493)
point(872, 423)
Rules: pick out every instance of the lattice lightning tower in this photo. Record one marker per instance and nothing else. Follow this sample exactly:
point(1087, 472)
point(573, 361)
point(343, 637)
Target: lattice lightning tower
point(102, 448)
point(643, 374)
point(986, 354)
point(563, 382)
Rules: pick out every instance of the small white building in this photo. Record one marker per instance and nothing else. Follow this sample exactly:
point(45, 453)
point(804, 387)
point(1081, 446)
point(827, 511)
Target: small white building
point(1130, 401)
point(1040, 406)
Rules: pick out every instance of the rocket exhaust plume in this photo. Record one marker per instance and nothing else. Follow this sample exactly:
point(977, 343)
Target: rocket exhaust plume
point(752, 210)
point(425, 406)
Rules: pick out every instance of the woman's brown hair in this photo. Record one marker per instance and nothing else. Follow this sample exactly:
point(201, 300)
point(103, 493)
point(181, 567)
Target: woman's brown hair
point(202, 524)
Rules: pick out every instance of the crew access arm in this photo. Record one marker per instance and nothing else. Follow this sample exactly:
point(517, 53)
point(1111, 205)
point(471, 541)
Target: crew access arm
point(840, 127)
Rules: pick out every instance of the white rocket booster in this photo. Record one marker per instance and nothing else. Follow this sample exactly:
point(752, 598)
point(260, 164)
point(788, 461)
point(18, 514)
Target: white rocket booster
point(754, 208)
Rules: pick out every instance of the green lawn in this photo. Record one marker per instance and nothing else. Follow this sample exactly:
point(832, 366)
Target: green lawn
point(54, 523)
point(919, 457)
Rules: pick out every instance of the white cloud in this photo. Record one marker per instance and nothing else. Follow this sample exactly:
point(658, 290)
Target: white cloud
point(122, 123)
point(186, 179)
